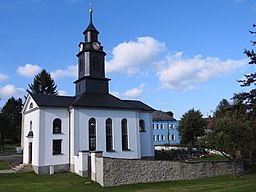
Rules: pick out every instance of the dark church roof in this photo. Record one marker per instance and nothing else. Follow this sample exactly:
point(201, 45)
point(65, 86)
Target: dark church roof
point(140, 105)
point(162, 116)
point(91, 26)
point(94, 100)
point(101, 100)
point(52, 100)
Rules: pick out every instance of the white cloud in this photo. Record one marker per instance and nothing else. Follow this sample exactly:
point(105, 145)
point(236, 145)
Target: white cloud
point(129, 57)
point(62, 92)
point(131, 93)
point(70, 71)
point(29, 70)
point(11, 91)
point(3, 77)
point(176, 72)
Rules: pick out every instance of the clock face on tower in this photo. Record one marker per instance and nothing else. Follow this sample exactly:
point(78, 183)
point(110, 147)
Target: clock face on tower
point(96, 45)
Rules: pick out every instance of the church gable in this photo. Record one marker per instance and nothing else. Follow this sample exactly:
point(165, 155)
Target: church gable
point(30, 105)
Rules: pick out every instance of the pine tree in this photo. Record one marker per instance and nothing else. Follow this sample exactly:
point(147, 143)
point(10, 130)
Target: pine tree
point(249, 98)
point(44, 84)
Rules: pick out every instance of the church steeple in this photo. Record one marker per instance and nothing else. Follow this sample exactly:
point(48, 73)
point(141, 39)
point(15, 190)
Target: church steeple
point(91, 63)
point(91, 33)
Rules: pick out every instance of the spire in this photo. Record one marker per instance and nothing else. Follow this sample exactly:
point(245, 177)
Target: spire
point(91, 11)
point(91, 26)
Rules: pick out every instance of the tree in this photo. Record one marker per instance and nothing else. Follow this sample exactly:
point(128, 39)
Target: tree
point(222, 108)
point(44, 84)
point(12, 111)
point(234, 125)
point(249, 98)
point(4, 128)
point(231, 131)
point(228, 132)
point(192, 126)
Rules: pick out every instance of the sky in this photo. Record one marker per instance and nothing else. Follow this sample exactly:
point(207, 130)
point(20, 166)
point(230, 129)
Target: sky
point(174, 55)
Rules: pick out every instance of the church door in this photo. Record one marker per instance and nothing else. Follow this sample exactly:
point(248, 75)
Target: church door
point(30, 153)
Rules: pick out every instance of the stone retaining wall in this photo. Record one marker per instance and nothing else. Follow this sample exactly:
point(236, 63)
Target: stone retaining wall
point(113, 172)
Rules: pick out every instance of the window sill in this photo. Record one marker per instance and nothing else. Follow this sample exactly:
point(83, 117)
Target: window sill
point(57, 154)
point(126, 149)
point(111, 151)
point(142, 131)
point(57, 133)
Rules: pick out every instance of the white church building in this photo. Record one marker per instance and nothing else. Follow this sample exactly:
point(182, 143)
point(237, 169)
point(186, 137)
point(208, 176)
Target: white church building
point(58, 130)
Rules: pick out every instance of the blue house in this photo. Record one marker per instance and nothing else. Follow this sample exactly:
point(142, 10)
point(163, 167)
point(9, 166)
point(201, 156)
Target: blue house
point(165, 129)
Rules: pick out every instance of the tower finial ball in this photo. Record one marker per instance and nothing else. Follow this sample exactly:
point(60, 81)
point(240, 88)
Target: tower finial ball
point(91, 8)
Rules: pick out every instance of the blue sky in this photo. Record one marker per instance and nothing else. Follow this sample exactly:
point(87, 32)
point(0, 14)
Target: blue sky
point(171, 54)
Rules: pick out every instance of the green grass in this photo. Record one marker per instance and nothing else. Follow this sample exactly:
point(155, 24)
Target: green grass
point(72, 182)
point(4, 165)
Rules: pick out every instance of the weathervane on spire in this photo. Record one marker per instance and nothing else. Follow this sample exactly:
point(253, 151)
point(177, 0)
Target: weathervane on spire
point(91, 12)
point(91, 8)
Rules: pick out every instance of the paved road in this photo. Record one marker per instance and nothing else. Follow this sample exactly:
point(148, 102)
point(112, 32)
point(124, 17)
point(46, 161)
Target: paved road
point(10, 157)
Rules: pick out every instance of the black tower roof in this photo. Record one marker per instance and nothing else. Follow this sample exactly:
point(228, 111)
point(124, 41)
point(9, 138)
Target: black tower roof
point(91, 26)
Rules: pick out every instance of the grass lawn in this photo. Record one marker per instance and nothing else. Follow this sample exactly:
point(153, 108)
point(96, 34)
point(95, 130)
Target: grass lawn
point(4, 165)
point(72, 182)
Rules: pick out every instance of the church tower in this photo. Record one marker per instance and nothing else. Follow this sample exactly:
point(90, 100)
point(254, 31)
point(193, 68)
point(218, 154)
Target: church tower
point(91, 63)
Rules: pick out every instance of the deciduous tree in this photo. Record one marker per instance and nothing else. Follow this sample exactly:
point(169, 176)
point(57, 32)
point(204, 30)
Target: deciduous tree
point(231, 131)
point(12, 111)
point(192, 126)
point(4, 128)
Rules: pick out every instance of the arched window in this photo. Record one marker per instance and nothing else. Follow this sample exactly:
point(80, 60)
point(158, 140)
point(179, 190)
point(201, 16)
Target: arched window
point(31, 105)
point(142, 125)
point(30, 133)
point(124, 135)
point(56, 126)
point(109, 139)
point(92, 134)
point(30, 126)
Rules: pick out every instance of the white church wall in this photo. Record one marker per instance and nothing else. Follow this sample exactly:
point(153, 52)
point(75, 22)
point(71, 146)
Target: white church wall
point(46, 137)
point(146, 138)
point(75, 161)
point(101, 116)
point(31, 123)
point(73, 142)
